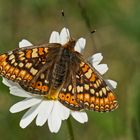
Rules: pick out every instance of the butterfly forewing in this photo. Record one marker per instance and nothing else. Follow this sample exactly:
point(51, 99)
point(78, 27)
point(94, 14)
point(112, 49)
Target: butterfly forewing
point(29, 67)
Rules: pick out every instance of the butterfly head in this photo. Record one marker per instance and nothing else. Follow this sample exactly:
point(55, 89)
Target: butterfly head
point(70, 44)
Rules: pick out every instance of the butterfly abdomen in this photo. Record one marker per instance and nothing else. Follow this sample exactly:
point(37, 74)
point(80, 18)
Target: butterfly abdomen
point(60, 68)
point(58, 74)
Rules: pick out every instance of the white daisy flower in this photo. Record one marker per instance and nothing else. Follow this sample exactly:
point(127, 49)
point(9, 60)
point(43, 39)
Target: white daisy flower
point(51, 110)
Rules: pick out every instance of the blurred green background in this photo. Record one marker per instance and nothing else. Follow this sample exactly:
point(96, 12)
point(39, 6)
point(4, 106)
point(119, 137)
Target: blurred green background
point(118, 38)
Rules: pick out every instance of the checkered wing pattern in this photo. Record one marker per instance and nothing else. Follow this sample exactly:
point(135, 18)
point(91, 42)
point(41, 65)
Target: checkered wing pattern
point(28, 66)
point(89, 91)
point(67, 96)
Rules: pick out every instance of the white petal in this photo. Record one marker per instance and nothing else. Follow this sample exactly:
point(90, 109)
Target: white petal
point(18, 91)
point(64, 36)
point(54, 120)
point(29, 116)
point(24, 43)
point(8, 83)
point(80, 45)
point(46, 108)
point(102, 68)
point(15, 89)
point(54, 38)
point(80, 116)
point(111, 83)
point(22, 105)
point(64, 112)
point(95, 59)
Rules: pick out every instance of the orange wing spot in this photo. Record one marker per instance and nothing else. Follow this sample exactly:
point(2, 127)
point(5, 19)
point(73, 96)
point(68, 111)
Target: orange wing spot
point(93, 76)
point(106, 101)
point(7, 67)
point(67, 97)
point(111, 96)
point(72, 100)
point(97, 101)
point(28, 53)
point(28, 77)
point(85, 68)
point(92, 100)
point(101, 102)
point(4, 63)
point(86, 97)
point(80, 97)
point(62, 96)
point(16, 71)
point(32, 84)
point(2, 57)
point(38, 85)
point(22, 74)
point(45, 88)
point(11, 70)
point(40, 51)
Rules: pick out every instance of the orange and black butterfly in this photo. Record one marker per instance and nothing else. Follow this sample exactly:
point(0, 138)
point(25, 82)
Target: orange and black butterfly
point(58, 72)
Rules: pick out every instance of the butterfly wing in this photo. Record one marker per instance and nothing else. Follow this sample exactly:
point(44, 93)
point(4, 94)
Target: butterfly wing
point(29, 66)
point(92, 92)
point(67, 96)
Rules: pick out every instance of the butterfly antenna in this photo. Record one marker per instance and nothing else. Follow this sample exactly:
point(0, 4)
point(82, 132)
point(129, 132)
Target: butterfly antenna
point(65, 22)
point(62, 12)
point(92, 32)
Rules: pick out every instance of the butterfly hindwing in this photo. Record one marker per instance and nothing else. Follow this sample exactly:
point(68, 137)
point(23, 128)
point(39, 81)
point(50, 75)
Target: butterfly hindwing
point(89, 91)
point(67, 96)
point(92, 91)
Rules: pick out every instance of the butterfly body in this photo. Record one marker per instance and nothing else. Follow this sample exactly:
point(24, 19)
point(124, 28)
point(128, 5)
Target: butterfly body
point(58, 72)
point(61, 66)
point(66, 59)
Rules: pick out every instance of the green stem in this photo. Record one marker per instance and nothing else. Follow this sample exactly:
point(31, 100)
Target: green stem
point(70, 129)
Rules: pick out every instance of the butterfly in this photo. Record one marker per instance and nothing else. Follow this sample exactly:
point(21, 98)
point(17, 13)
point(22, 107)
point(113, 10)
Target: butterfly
point(58, 72)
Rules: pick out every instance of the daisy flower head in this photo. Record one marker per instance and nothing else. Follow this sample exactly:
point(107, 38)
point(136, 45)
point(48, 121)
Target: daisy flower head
point(52, 111)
